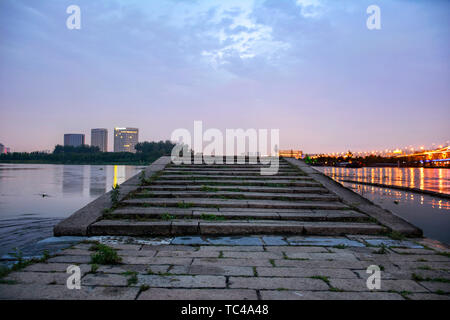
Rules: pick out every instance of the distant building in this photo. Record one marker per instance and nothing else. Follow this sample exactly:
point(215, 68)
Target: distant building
point(2, 148)
point(73, 139)
point(99, 138)
point(8, 150)
point(298, 154)
point(125, 139)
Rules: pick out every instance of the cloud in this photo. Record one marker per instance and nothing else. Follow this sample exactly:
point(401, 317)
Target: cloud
point(238, 35)
point(310, 8)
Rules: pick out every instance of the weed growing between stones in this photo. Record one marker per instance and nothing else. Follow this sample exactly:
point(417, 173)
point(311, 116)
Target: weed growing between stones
point(115, 193)
point(104, 255)
point(132, 277)
point(323, 278)
point(22, 263)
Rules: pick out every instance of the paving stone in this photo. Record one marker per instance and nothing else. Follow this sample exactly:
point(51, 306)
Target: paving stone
point(428, 296)
point(386, 285)
point(393, 243)
point(436, 286)
point(321, 264)
point(201, 281)
point(198, 294)
point(274, 241)
point(59, 292)
point(189, 240)
point(236, 240)
point(102, 279)
point(305, 272)
point(213, 270)
point(253, 255)
point(295, 249)
point(428, 264)
point(157, 260)
point(75, 252)
point(321, 256)
point(323, 241)
point(171, 247)
point(231, 262)
point(232, 248)
point(38, 277)
point(70, 259)
point(413, 251)
point(119, 269)
point(127, 247)
point(327, 295)
point(407, 275)
point(190, 254)
point(277, 283)
point(55, 267)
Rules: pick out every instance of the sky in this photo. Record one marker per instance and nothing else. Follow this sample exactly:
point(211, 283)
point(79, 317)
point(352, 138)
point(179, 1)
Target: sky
point(310, 68)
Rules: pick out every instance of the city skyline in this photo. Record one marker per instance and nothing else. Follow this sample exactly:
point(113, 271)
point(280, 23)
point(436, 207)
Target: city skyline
point(310, 68)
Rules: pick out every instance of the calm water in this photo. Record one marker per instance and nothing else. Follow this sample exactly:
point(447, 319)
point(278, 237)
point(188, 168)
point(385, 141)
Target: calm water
point(27, 217)
point(431, 214)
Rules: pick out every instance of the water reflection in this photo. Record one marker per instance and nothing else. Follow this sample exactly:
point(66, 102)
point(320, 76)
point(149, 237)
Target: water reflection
point(26, 216)
point(73, 179)
point(431, 214)
point(431, 179)
point(97, 180)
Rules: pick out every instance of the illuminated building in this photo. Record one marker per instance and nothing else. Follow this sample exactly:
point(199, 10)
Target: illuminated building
point(125, 139)
point(73, 139)
point(99, 138)
point(297, 154)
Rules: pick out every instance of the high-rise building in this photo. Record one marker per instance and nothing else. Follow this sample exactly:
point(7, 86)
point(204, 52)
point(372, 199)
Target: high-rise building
point(99, 138)
point(2, 148)
point(73, 139)
point(125, 139)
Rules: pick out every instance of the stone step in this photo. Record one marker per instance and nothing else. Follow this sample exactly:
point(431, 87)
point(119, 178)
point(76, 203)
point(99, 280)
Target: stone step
point(155, 187)
point(260, 214)
point(230, 227)
point(284, 169)
point(227, 166)
point(238, 195)
point(235, 203)
point(228, 177)
point(232, 172)
point(237, 182)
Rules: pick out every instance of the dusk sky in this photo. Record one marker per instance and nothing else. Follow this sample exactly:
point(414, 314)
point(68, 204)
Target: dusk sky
point(309, 68)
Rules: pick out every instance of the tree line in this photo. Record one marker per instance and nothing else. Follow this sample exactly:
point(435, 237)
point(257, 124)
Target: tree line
point(146, 152)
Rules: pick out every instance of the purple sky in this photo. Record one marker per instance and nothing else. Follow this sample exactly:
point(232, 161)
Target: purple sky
point(310, 68)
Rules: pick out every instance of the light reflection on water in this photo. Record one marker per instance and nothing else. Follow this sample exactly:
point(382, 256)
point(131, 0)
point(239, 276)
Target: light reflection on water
point(27, 217)
point(432, 179)
point(431, 214)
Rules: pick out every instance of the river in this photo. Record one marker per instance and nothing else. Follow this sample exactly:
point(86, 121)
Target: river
point(430, 213)
point(34, 197)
